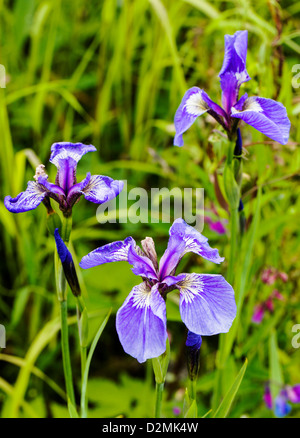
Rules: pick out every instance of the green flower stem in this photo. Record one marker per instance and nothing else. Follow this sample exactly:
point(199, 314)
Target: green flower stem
point(61, 287)
point(158, 400)
point(83, 339)
point(234, 232)
point(160, 368)
point(193, 389)
point(232, 189)
point(66, 352)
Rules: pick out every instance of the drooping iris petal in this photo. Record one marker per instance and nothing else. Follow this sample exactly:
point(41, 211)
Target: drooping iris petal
point(183, 239)
point(267, 116)
point(282, 408)
point(195, 102)
point(65, 157)
point(112, 252)
point(67, 264)
point(142, 265)
point(100, 189)
point(207, 304)
point(28, 200)
point(141, 323)
point(293, 393)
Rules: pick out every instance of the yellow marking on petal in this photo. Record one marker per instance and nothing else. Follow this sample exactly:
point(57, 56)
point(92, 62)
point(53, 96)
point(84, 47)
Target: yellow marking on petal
point(190, 286)
point(142, 296)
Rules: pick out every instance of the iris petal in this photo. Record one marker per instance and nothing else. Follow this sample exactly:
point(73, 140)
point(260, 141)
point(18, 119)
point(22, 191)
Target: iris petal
point(267, 116)
point(101, 189)
point(28, 200)
point(183, 239)
point(112, 252)
point(141, 323)
point(207, 304)
point(235, 52)
point(142, 265)
point(65, 157)
point(194, 103)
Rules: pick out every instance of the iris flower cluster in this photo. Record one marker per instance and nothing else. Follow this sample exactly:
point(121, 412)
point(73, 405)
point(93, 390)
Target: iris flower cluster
point(266, 115)
point(207, 305)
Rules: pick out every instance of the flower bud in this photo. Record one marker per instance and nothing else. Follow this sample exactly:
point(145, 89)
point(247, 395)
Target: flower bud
point(193, 343)
point(67, 264)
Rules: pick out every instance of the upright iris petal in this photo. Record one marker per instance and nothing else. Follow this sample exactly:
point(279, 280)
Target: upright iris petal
point(65, 157)
point(235, 53)
point(183, 239)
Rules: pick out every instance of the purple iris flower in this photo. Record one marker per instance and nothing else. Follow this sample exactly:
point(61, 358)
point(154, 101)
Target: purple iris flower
point(66, 191)
point(207, 304)
point(266, 115)
point(288, 394)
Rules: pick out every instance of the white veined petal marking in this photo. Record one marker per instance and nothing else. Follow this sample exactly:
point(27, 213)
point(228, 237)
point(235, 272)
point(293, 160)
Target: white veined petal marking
point(190, 287)
point(241, 77)
point(141, 297)
point(251, 104)
point(191, 243)
point(195, 105)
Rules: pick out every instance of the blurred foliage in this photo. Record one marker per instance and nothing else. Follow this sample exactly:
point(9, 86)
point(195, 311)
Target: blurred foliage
point(112, 73)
